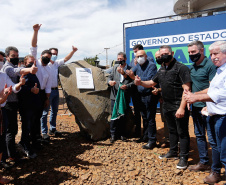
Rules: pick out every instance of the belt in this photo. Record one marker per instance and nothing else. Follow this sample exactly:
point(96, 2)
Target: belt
point(54, 88)
point(218, 115)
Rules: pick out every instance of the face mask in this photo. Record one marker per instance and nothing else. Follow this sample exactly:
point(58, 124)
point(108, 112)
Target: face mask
point(159, 61)
point(45, 60)
point(141, 60)
point(122, 62)
point(195, 57)
point(166, 58)
point(14, 61)
point(1, 64)
point(54, 57)
point(135, 54)
point(29, 65)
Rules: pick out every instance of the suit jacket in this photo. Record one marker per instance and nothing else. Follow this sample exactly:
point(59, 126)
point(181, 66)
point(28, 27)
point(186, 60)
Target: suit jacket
point(115, 76)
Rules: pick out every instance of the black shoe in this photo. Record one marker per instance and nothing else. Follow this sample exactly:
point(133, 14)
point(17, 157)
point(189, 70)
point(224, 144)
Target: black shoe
point(149, 146)
point(141, 140)
point(112, 140)
point(169, 156)
point(6, 165)
point(183, 163)
point(123, 138)
point(55, 133)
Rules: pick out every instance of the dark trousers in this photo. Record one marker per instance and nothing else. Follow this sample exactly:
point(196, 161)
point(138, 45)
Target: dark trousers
point(36, 132)
point(118, 126)
point(137, 116)
point(178, 129)
point(12, 128)
point(148, 112)
point(5, 125)
point(29, 118)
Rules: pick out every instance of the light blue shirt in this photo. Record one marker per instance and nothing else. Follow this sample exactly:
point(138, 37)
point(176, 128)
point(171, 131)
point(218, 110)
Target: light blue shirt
point(217, 92)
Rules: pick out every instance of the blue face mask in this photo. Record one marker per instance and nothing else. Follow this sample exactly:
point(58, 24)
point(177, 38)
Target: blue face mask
point(54, 57)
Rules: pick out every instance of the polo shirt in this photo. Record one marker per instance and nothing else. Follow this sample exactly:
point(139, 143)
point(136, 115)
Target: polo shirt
point(171, 79)
point(146, 72)
point(201, 75)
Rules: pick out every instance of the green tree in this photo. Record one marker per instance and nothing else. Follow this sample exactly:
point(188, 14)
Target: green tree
point(91, 60)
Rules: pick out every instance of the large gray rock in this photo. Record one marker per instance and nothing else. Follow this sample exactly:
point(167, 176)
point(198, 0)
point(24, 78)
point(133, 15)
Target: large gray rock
point(91, 107)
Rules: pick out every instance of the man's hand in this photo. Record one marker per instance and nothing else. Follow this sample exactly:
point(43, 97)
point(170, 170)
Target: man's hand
point(189, 97)
point(124, 87)
point(7, 90)
point(33, 69)
point(34, 89)
point(137, 80)
point(74, 48)
point(180, 113)
point(130, 74)
point(22, 80)
point(204, 111)
point(155, 91)
point(112, 83)
point(120, 70)
point(36, 27)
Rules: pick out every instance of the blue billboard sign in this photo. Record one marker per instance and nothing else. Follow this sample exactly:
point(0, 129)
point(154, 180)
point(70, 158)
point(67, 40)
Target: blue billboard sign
point(177, 34)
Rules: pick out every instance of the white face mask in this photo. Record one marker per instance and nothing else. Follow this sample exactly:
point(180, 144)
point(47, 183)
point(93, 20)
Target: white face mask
point(135, 54)
point(54, 57)
point(141, 60)
point(1, 64)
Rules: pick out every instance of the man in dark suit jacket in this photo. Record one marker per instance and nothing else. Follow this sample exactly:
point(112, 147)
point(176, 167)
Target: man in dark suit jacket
point(117, 76)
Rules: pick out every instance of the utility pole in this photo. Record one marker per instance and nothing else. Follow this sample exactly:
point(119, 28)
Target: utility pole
point(106, 56)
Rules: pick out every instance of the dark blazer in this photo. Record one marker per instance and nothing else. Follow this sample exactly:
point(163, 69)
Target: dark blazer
point(115, 76)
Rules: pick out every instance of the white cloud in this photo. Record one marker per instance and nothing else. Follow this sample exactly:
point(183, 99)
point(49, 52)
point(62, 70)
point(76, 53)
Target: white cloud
point(91, 25)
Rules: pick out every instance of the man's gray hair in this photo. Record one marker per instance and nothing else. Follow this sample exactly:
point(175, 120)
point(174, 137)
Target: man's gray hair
point(123, 54)
point(198, 43)
point(220, 44)
point(10, 48)
point(166, 46)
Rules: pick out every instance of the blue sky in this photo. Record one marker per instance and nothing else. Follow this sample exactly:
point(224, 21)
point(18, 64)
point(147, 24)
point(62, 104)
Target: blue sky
point(90, 25)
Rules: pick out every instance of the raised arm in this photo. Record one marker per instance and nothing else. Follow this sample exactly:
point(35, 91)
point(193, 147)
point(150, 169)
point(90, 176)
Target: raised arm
point(68, 57)
point(34, 40)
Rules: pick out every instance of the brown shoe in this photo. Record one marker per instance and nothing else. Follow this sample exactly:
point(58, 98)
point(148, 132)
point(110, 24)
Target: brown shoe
point(199, 167)
point(212, 178)
point(165, 145)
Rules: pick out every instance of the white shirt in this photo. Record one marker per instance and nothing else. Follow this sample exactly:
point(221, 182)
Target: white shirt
point(4, 79)
point(54, 71)
point(217, 92)
point(43, 74)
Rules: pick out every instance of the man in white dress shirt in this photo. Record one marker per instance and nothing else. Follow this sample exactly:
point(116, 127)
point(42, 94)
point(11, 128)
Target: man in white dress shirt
point(215, 96)
point(54, 96)
point(43, 74)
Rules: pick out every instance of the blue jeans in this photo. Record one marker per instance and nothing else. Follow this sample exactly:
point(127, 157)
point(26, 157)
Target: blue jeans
point(200, 126)
point(220, 130)
point(148, 112)
point(53, 102)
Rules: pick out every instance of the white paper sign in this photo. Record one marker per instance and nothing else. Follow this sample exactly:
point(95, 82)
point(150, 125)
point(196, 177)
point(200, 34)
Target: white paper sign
point(84, 78)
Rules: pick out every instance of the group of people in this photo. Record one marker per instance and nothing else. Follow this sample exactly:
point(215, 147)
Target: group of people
point(200, 89)
point(30, 88)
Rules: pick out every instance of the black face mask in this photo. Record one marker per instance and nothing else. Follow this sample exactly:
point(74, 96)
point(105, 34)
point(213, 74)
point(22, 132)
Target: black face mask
point(30, 65)
point(14, 61)
point(166, 58)
point(122, 62)
point(195, 57)
point(159, 61)
point(45, 60)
